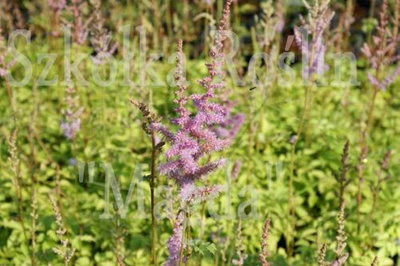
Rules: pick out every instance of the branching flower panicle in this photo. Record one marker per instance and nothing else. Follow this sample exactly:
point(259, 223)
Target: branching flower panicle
point(264, 244)
point(4, 52)
point(175, 243)
point(239, 246)
point(195, 137)
point(341, 240)
point(64, 251)
point(380, 52)
point(270, 23)
point(71, 123)
point(100, 38)
point(149, 117)
point(318, 21)
point(342, 177)
point(79, 26)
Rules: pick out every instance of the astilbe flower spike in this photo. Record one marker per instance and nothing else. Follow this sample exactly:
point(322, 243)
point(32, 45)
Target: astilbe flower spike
point(380, 52)
point(194, 137)
point(71, 123)
point(269, 24)
point(318, 20)
point(4, 65)
point(175, 241)
point(63, 251)
point(264, 244)
point(341, 240)
point(79, 25)
point(100, 38)
point(239, 246)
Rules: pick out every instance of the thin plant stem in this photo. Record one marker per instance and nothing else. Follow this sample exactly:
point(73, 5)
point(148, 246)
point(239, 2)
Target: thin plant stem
point(202, 226)
point(360, 172)
point(371, 112)
point(188, 236)
point(308, 118)
point(291, 200)
point(152, 186)
point(182, 240)
point(292, 165)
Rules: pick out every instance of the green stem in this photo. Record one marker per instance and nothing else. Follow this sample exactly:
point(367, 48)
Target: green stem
point(292, 164)
point(152, 186)
point(188, 237)
point(202, 226)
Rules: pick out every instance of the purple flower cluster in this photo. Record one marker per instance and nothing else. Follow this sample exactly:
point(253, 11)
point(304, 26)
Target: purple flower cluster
point(196, 135)
point(71, 123)
point(379, 53)
point(4, 65)
point(100, 37)
point(313, 53)
point(175, 241)
point(79, 26)
point(231, 124)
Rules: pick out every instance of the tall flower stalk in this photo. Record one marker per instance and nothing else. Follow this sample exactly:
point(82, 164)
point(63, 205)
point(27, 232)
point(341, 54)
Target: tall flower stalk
point(313, 53)
point(100, 38)
point(64, 251)
point(379, 55)
point(195, 138)
point(148, 119)
point(264, 244)
point(383, 176)
point(34, 217)
point(341, 240)
point(15, 168)
point(241, 256)
point(341, 178)
point(360, 174)
point(71, 123)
